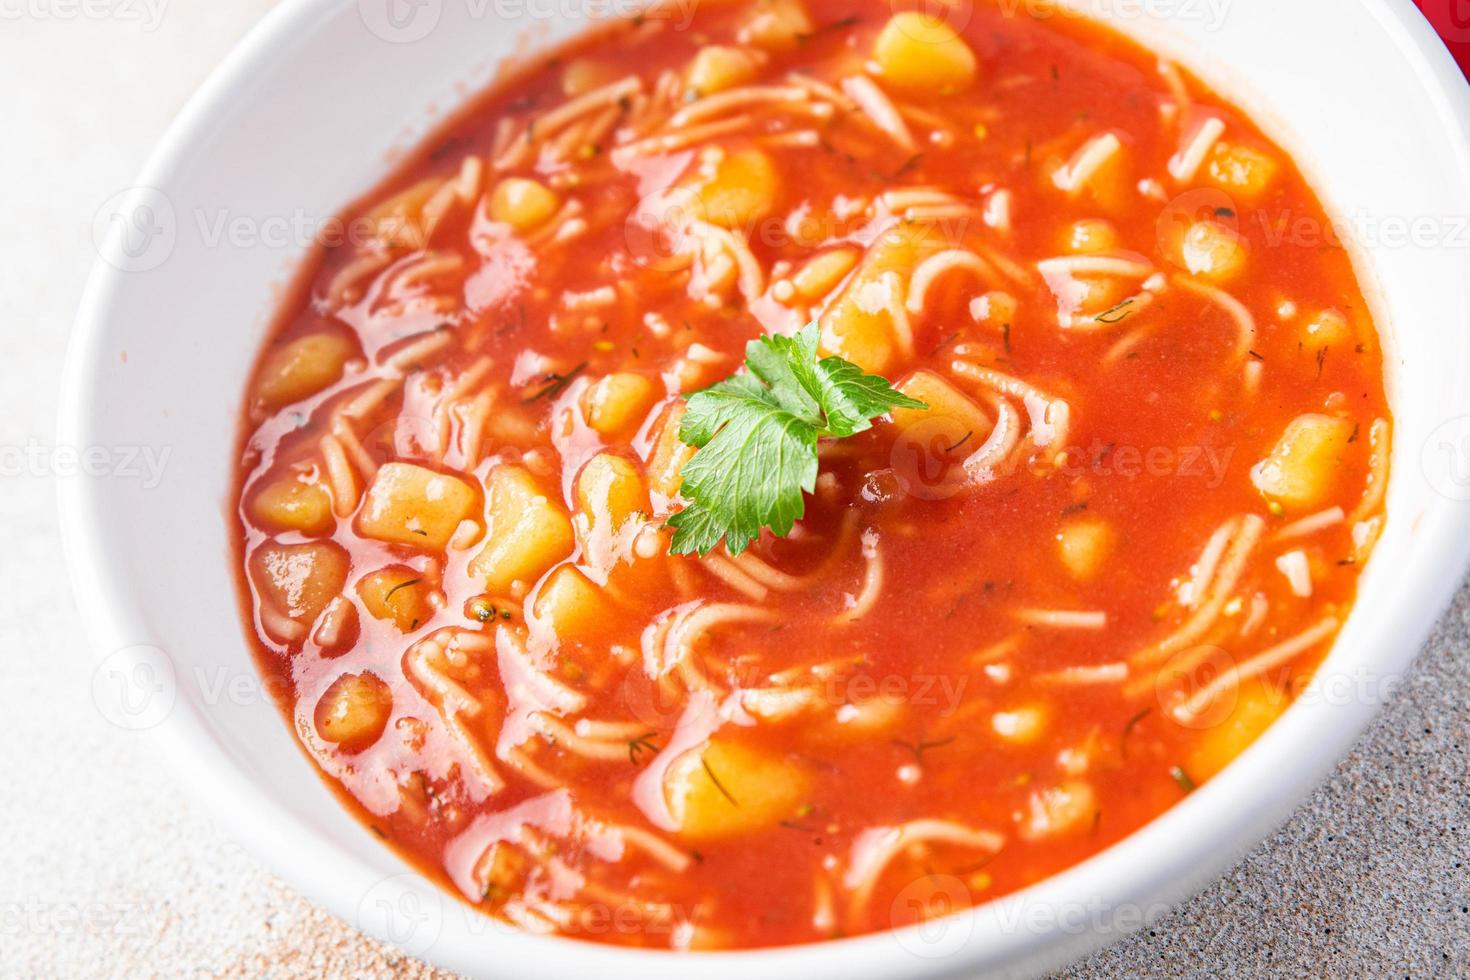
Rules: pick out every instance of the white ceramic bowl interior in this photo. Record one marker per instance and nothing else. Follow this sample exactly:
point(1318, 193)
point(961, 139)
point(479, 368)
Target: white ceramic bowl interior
point(308, 113)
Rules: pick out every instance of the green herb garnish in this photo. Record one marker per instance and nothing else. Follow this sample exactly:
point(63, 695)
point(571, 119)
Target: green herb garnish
point(757, 434)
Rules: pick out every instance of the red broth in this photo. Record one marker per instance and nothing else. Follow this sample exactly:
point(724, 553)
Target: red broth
point(1008, 631)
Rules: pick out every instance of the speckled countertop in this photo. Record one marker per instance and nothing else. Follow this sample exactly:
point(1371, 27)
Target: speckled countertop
point(109, 869)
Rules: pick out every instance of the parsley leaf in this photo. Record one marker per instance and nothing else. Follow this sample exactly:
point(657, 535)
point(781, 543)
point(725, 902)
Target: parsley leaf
point(757, 434)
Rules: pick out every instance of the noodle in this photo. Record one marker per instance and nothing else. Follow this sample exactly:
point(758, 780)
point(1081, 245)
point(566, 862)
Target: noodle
point(1259, 664)
point(1245, 324)
point(1232, 565)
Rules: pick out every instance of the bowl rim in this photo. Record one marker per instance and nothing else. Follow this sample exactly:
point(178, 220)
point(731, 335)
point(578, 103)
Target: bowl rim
point(311, 862)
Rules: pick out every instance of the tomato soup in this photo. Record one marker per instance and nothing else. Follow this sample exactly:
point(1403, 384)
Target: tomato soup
point(980, 631)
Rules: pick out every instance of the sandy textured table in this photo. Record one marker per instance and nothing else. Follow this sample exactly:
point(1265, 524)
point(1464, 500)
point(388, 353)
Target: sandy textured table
point(108, 868)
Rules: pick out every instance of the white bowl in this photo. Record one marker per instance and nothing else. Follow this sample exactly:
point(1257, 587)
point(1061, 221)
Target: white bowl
point(307, 113)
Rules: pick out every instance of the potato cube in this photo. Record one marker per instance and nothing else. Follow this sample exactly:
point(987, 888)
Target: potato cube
point(527, 532)
point(1212, 251)
point(1305, 463)
point(1066, 808)
point(1084, 545)
point(617, 403)
point(1240, 170)
point(1329, 328)
point(738, 190)
point(523, 204)
point(289, 503)
point(414, 506)
point(727, 789)
point(823, 272)
point(396, 595)
point(716, 68)
point(946, 402)
point(353, 711)
point(777, 25)
point(1256, 707)
point(924, 55)
point(859, 325)
point(610, 490)
point(301, 368)
point(571, 605)
point(582, 75)
point(1090, 236)
point(669, 454)
point(1021, 725)
point(297, 581)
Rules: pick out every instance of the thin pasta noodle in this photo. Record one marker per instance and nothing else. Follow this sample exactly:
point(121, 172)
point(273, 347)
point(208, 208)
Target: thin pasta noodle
point(342, 482)
point(737, 98)
point(1311, 524)
point(1084, 676)
point(724, 570)
point(1184, 164)
point(680, 139)
point(1245, 323)
point(564, 736)
point(865, 601)
point(1067, 619)
point(1232, 565)
point(879, 108)
point(876, 848)
point(1087, 161)
point(1373, 496)
point(1255, 666)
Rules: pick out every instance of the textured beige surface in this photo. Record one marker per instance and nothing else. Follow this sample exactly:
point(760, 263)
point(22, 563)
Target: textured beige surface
point(108, 869)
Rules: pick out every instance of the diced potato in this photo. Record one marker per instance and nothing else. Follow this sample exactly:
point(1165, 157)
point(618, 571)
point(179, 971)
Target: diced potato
point(1240, 170)
point(1305, 463)
point(727, 789)
point(669, 453)
point(1021, 725)
point(945, 401)
point(610, 490)
point(738, 190)
point(527, 531)
point(859, 325)
point(571, 605)
point(716, 68)
point(414, 506)
point(1099, 171)
point(582, 75)
point(289, 503)
point(777, 25)
point(298, 580)
point(1084, 545)
point(823, 272)
point(618, 402)
point(996, 307)
point(523, 204)
point(398, 221)
point(1068, 807)
point(1256, 707)
point(1329, 328)
point(396, 595)
point(501, 871)
point(1089, 236)
point(1212, 251)
point(860, 720)
point(354, 711)
point(302, 367)
point(923, 54)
